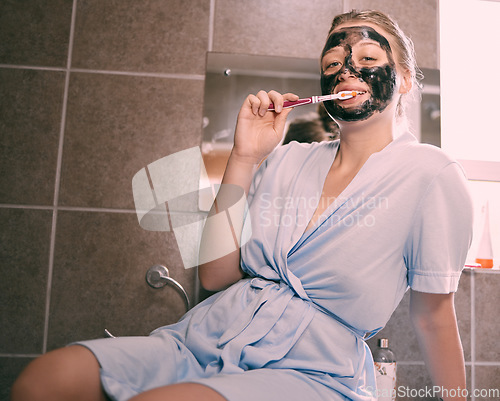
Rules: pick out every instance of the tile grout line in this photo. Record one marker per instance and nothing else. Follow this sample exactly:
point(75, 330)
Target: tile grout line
point(487, 363)
point(92, 209)
point(411, 363)
point(477, 363)
point(346, 7)
point(20, 355)
point(27, 207)
point(473, 333)
point(211, 29)
point(211, 24)
point(438, 35)
point(31, 67)
point(58, 180)
point(196, 77)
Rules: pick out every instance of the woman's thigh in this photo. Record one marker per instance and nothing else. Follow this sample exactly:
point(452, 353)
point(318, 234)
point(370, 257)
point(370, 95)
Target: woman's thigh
point(269, 385)
point(180, 392)
point(70, 373)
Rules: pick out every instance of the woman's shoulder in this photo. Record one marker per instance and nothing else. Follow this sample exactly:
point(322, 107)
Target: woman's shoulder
point(426, 165)
point(425, 156)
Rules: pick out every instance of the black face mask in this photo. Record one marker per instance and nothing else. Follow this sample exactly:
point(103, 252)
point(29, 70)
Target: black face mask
point(381, 80)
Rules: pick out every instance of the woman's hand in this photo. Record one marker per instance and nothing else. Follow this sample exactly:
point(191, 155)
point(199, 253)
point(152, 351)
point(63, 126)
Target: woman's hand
point(258, 130)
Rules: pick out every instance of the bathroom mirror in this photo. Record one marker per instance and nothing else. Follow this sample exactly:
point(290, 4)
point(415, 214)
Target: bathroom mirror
point(231, 77)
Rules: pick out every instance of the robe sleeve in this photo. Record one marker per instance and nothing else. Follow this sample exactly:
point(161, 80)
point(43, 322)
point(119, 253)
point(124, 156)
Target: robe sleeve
point(441, 233)
point(274, 157)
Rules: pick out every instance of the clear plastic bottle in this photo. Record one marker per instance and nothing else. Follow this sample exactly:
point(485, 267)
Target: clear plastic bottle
point(385, 370)
point(485, 251)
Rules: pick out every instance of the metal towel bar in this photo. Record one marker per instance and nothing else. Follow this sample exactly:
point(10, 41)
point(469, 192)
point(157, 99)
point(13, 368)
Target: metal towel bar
point(158, 276)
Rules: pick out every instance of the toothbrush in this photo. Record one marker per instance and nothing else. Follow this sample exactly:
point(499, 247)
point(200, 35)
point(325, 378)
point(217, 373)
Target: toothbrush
point(344, 95)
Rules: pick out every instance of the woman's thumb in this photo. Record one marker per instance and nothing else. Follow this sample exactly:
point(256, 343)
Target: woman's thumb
point(280, 121)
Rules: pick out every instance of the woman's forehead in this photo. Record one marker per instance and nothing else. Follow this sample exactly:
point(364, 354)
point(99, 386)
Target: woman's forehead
point(351, 35)
point(365, 43)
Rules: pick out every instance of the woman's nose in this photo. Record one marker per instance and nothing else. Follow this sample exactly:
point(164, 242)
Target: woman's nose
point(347, 73)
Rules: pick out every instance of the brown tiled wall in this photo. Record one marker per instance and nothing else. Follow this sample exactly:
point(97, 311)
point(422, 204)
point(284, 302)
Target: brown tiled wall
point(476, 304)
point(94, 90)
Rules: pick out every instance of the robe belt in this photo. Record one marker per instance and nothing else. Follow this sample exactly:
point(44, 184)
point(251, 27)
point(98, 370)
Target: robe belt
point(270, 303)
point(277, 295)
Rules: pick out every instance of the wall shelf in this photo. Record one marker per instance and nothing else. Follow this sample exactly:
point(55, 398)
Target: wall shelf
point(479, 170)
point(494, 270)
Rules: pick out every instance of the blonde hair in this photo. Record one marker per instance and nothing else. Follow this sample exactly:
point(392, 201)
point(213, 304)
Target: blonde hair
point(404, 46)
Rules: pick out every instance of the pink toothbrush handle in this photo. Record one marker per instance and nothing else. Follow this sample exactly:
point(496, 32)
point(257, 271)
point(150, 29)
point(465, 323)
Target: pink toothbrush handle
point(299, 102)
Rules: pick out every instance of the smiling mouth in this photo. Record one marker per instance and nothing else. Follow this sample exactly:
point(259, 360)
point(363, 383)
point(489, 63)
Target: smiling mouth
point(351, 94)
point(355, 92)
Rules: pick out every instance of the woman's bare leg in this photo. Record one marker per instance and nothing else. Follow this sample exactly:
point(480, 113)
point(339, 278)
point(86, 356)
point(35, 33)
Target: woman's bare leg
point(72, 374)
point(66, 374)
point(180, 392)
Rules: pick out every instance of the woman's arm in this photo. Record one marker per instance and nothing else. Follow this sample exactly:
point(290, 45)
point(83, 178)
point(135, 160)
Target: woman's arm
point(224, 271)
point(433, 317)
point(258, 132)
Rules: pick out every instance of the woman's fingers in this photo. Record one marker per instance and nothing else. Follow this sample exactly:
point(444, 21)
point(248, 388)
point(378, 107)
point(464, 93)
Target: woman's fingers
point(278, 99)
point(254, 103)
point(291, 97)
point(260, 103)
point(282, 113)
point(258, 129)
point(263, 96)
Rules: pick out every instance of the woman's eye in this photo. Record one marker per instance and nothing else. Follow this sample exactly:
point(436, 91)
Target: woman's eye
point(335, 65)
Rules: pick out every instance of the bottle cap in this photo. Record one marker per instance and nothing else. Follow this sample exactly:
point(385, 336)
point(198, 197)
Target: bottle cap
point(383, 343)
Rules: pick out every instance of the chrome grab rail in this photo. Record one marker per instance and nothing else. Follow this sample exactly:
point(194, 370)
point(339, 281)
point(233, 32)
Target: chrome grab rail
point(158, 276)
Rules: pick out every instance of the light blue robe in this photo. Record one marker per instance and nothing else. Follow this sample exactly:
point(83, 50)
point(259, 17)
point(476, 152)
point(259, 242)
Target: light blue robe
point(295, 327)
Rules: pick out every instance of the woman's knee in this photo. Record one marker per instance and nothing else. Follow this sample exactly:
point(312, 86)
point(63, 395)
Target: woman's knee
point(70, 373)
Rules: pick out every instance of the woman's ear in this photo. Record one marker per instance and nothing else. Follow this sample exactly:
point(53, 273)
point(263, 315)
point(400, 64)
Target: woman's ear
point(406, 83)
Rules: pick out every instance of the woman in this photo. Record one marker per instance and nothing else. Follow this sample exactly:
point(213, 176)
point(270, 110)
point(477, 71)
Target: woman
point(339, 231)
